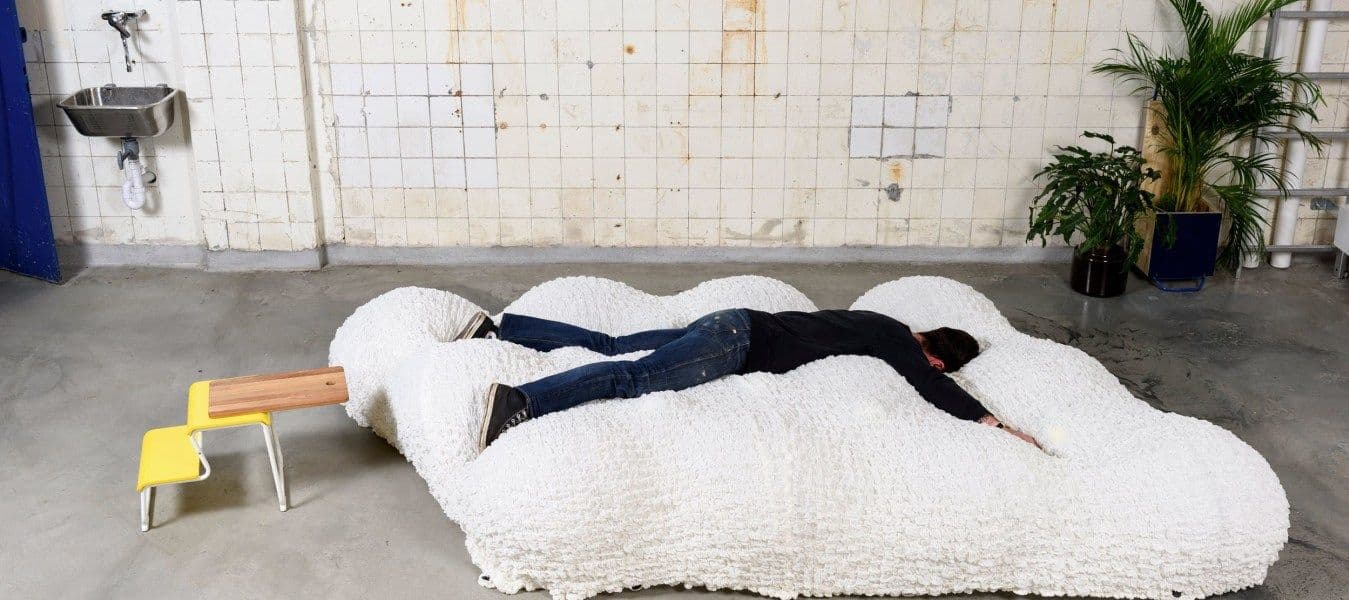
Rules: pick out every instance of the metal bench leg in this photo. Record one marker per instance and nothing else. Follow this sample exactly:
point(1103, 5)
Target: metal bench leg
point(147, 505)
point(278, 465)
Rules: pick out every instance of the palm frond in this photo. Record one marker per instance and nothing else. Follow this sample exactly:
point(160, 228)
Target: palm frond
point(1229, 28)
point(1138, 67)
point(1197, 23)
point(1245, 235)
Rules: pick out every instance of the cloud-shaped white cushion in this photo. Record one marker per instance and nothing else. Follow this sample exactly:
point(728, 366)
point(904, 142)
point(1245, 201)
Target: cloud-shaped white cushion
point(835, 478)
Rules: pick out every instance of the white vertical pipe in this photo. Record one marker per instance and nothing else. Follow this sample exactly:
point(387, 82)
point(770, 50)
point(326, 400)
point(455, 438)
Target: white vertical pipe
point(1295, 157)
point(1282, 52)
point(133, 188)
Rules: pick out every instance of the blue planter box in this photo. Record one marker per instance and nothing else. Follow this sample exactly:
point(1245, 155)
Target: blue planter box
point(1192, 256)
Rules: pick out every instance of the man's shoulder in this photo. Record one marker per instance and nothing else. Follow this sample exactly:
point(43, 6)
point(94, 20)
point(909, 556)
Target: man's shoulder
point(834, 315)
point(880, 317)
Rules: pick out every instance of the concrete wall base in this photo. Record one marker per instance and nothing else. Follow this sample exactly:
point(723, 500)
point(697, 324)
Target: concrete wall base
point(198, 257)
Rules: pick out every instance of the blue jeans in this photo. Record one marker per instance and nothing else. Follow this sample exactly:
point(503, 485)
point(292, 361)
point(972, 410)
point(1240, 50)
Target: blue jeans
point(709, 348)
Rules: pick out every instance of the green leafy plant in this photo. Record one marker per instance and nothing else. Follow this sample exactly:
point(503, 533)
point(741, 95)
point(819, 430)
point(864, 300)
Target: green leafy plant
point(1214, 100)
point(1094, 195)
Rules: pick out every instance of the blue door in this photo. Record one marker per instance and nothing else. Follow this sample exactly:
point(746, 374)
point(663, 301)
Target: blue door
point(26, 242)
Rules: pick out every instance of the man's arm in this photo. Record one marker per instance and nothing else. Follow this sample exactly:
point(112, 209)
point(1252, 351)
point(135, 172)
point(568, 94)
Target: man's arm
point(993, 421)
point(944, 393)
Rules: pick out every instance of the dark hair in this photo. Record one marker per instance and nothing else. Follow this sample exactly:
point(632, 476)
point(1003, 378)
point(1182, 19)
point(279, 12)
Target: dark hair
point(953, 346)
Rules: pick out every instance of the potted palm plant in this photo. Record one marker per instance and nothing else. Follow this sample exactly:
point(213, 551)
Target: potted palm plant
point(1208, 104)
point(1094, 198)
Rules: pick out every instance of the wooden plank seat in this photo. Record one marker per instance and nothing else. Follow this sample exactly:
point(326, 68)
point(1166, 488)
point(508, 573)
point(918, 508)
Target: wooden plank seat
point(277, 391)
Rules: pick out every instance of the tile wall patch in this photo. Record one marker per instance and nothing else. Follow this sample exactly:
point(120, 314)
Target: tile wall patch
point(415, 125)
point(907, 126)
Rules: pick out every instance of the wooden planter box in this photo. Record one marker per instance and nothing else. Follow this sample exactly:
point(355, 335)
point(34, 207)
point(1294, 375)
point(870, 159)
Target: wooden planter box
point(1194, 253)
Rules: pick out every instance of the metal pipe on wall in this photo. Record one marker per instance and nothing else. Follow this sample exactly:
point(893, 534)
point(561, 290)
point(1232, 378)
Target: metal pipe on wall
point(1295, 156)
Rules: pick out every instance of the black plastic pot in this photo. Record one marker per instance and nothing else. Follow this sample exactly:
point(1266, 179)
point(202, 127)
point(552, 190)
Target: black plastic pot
point(1100, 273)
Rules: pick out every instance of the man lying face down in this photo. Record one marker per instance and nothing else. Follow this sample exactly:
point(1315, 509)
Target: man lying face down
point(726, 342)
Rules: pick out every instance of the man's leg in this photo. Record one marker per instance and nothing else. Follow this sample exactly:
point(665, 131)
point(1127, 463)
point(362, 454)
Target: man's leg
point(710, 348)
point(545, 335)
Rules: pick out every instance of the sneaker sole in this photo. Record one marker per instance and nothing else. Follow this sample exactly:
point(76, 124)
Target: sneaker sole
point(487, 416)
point(473, 325)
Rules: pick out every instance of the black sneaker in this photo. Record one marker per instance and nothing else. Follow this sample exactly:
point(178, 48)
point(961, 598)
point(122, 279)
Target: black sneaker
point(506, 408)
point(480, 326)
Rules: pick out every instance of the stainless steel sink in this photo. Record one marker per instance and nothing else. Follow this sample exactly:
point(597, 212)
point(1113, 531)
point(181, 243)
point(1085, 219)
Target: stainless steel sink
point(113, 111)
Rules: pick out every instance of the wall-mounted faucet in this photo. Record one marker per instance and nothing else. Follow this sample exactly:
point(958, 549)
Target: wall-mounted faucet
point(119, 21)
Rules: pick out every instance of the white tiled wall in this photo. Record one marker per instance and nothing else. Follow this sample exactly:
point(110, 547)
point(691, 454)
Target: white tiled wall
point(401, 126)
point(711, 122)
point(599, 122)
point(245, 83)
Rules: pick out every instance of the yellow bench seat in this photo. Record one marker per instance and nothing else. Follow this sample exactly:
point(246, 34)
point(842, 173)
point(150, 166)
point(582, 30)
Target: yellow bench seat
point(168, 456)
point(175, 455)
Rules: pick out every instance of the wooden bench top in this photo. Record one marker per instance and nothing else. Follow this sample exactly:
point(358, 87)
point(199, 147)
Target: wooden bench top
point(277, 391)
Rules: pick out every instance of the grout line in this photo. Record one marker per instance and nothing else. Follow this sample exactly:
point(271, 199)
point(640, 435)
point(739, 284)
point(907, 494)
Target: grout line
point(655, 132)
point(688, 121)
point(752, 235)
point(819, 130)
point(623, 123)
point(590, 124)
point(556, 95)
point(881, 159)
point(528, 125)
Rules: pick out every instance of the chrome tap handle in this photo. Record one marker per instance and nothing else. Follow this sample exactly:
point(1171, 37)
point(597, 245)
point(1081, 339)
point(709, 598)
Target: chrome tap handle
point(118, 20)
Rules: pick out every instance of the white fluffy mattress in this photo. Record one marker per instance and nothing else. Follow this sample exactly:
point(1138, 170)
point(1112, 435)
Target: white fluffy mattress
point(833, 479)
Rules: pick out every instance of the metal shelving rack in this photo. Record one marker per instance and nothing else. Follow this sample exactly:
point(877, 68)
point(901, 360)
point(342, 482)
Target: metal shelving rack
point(1271, 41)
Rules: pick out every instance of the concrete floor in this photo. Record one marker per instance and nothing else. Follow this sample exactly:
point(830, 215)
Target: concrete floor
point(87, 366)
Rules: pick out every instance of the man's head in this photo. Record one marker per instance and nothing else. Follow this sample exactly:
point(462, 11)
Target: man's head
point(948, 349)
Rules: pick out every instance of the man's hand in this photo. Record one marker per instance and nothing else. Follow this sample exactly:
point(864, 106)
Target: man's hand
point(993, 421)
point(1023, 435)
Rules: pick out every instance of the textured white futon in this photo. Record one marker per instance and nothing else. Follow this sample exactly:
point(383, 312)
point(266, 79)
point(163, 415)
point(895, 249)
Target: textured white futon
point(835, 478)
